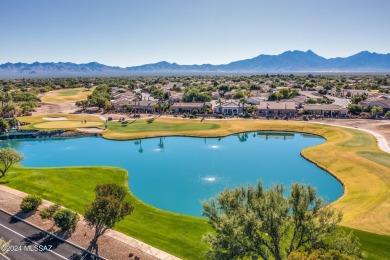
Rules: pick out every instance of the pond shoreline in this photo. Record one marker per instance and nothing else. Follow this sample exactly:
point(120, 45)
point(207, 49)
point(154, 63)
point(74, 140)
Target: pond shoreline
point(31, 134)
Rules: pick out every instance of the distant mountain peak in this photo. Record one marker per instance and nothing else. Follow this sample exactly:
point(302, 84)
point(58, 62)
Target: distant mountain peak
point(286, 62)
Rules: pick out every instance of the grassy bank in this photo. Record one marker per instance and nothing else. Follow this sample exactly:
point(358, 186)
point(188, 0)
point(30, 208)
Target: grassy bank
point(73, 188)
point(377, 246)
point(350, 155)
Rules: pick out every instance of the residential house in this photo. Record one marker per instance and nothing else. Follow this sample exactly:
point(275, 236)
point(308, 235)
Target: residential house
point(182, 107)
point(326, 110)
point(276, 108)
point(255, 100)
point(215, 95)
point(142, 106)
point(379, 101)
point(299, 100)
point(122, 100)
point(231, 108)
point(175, 96)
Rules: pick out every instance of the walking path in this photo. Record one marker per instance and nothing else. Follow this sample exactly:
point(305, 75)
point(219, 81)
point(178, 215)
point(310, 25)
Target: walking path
point(112, 245)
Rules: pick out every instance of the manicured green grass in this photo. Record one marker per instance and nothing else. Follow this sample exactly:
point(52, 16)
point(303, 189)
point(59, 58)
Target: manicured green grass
point(143, 126)
point(359, 139)
point(378, 157)
point(73, 188)
point(70, 92)
point(377, 246)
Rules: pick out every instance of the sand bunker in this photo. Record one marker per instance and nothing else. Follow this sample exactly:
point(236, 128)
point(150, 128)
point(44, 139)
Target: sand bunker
point(90, 129)
point(54, 118)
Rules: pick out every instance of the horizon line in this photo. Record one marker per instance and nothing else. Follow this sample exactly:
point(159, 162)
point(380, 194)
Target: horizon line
point(165, 61)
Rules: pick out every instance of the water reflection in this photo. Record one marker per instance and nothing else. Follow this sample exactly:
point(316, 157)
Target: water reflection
point(243, 137)
point(276, 135)
point(161, 143)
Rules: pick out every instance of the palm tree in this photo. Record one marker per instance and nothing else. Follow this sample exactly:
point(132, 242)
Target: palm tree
point(204, 108)
point(7, 98)
point(155, 106)
point(219, 103)
point(2, 99)
point(248, 93)
point(241, 101)
point(138, 96)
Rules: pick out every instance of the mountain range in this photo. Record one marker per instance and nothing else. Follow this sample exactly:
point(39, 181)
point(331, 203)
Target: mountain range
point(287, 62)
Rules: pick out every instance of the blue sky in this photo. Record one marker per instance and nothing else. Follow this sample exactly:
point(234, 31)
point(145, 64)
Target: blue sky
point(126, 32)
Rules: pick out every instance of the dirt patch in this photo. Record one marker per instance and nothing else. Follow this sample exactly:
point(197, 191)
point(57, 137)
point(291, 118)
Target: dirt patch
point(383, 127)
point(66, 95)
point(56, 108)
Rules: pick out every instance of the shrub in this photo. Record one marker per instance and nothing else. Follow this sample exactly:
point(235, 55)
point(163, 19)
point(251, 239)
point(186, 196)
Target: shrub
point(49, 212)
point(66, 219)
point(30, 203)
point(387, 115)
point(150, 120)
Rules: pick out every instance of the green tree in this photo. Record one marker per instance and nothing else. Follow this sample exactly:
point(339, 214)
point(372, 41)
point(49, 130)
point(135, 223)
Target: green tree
point(355, 109)
point(358, 98)
point(252, 223)
point(84, 104)
point(66, 219)
point(219, 102)
point(375, 110)
point(111, 189)
point(238, 95)
point(223, 89)
point(287, 93)
point(108, 208)
point(320, 255)
point(8, 157)
point(276, 96)
point(30, 203)
point(194, 95)
point(4, 126)
point(252, 109)
point(49, 212)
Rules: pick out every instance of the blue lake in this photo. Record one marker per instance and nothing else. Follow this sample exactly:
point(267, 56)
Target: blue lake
point(177, 173)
